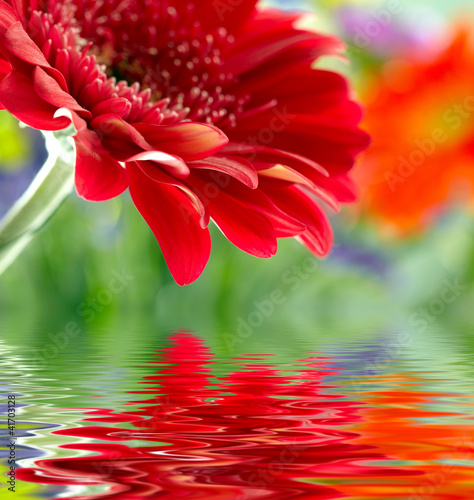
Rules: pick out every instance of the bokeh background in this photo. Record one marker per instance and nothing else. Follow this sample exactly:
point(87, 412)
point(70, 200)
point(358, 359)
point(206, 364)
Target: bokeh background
point(411, 235)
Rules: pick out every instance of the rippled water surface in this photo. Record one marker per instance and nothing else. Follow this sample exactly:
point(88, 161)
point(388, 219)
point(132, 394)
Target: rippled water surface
point(191, 415)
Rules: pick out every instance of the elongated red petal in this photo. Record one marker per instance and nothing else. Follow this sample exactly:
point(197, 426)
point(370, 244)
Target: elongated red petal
point(128, 144)
point(247, 229)
point(21, 7)
point(18, 96)
point(18, 44)
point(7, 17)
point(254, 199)
point(213, 14)
point(255, 56)
point(190, 141)
point(50, 91)
point(116, 105)
point(156, 174)
point(318, 237)
point(326, 88)
point(5, 69)
point(330, 138)
point(281, 175)
point(239, 168)
point(119, 137)
point(175, 223)
point(342, 187)
point(172, 164)
point(98, 176)
point(270, 155)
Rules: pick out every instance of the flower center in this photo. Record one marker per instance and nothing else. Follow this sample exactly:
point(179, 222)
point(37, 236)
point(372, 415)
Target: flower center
point(167, 68)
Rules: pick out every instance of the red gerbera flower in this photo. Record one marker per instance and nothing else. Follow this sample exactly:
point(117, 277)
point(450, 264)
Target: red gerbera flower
point(203, 110)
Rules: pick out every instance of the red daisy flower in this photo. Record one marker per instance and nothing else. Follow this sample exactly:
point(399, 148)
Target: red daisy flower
point(204, 110)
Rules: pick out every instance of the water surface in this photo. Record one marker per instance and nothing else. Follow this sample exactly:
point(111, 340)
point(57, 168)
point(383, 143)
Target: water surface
point(191, 415)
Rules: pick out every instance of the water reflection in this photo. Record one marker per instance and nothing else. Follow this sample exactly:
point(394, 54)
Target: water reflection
point(262, 430)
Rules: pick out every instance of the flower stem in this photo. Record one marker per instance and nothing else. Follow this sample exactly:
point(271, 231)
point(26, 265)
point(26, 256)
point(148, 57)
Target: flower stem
point(51, 186)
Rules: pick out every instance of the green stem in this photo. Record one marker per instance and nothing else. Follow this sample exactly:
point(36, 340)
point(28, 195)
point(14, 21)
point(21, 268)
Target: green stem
point(51, 186)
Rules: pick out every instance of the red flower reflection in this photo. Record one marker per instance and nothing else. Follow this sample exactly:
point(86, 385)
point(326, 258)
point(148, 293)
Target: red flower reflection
point(217, 114)
point(256, 433)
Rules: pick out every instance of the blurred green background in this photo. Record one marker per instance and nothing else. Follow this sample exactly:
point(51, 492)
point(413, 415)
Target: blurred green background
point(367, 284)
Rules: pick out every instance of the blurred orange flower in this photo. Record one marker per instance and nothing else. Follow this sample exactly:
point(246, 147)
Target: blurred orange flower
point(420, 115)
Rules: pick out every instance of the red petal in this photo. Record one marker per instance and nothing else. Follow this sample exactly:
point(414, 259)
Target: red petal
point(7, 17)
point(120, 138)
point(213, 14)
point(281, 175)
point(302, 90)
point(256, 55)
point(343, 188)
point(50, 91)
point(24, 54)
point(156, 174)
point(126, 143)
point(245, 228)
point(175, 223)
point(190, 141)
point(274, 24)
point(257, 199)
point(5, 69)
point(263, 36)
point(331, 138)
point(21, 7)
point(318, 237)
point(239, 168)
point(18, 43)
point(98, 176)
point(18, 96)
point(172, 164)
point(254, 200)
point(270, 155)
point(117, 106)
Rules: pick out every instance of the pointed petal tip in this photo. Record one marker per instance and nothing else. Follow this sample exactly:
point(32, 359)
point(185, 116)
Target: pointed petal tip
point(189, 140)
point(174, 220)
